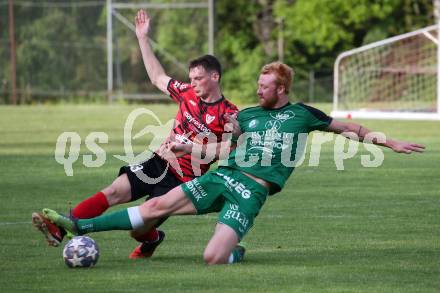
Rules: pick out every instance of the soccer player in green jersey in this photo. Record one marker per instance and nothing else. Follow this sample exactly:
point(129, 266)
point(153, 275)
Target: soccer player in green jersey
point(259, 166)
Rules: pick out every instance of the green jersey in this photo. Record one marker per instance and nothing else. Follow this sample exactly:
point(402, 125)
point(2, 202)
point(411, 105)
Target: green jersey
point(268, 145)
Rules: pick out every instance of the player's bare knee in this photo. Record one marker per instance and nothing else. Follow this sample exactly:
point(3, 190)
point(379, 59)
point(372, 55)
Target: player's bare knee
point(115, 195)
point(213, 258)
point(110, 194)
point(162, 207)
point(208, 257)
point(152, 209)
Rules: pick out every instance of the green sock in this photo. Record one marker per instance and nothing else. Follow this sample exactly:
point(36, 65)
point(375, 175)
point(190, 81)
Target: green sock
point(237, 255)
point(118, 220)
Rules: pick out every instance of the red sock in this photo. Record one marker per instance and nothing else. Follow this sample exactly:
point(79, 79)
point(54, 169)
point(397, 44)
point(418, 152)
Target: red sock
point(150, 236)
point(91, 207)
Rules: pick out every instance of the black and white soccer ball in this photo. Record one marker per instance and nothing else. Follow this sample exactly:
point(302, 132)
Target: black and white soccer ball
point(81, 251)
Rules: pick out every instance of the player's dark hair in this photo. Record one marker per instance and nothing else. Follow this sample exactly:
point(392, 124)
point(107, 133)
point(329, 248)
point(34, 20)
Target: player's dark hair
point(208, 62)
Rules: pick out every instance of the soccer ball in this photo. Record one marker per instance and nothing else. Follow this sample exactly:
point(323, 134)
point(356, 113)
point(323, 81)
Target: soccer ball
point(81, 251)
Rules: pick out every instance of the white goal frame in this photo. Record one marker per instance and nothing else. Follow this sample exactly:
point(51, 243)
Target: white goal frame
point(112, 8)
point(376, 114)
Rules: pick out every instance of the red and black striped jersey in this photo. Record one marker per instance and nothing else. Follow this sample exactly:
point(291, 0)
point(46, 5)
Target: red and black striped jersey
point(194, 117)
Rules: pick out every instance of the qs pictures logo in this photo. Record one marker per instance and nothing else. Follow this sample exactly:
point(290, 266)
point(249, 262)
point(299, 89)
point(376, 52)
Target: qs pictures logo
point(68, 144)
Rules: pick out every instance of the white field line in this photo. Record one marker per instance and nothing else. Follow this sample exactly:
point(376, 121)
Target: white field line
point(14, 223)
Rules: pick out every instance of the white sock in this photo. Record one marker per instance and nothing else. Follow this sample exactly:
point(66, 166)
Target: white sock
point(136, 220)
point(231, 258)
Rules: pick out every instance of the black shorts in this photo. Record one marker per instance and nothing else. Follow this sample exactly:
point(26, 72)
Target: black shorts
point(154, 168)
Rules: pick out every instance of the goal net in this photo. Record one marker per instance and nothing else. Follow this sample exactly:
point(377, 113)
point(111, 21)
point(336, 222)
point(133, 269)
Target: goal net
point(180, 30)
point(395, 78)
point(85, 51)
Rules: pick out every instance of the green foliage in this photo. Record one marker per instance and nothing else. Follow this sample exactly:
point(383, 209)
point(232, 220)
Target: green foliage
point(59, 51)
point(240, 52)
point(174, 30)
point(63, 49)
point(318, 30)
point(38, 56)
point(241, 80)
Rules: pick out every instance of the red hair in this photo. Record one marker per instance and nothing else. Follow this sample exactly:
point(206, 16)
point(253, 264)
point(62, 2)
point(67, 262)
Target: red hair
point(284, 74)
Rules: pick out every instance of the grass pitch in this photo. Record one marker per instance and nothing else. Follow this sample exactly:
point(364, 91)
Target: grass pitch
point(357, 230)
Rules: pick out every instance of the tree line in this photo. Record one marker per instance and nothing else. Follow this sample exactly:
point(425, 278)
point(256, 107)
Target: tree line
point(61, 51)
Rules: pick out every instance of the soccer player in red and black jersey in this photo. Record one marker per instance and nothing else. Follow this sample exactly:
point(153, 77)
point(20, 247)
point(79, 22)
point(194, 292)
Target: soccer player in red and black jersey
point(203, 112)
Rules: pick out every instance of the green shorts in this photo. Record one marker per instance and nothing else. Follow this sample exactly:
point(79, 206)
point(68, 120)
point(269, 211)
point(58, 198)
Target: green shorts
point(237, 197)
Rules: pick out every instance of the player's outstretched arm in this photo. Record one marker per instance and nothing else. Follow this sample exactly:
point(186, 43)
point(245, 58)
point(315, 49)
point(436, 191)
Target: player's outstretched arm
point(216, 151)
point(356, 131)
point(210, 151)
point(155, 71)
point(232, 124)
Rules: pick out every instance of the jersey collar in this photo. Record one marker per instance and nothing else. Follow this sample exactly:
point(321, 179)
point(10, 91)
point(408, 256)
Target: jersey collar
point(212, 103)
point(282, 107)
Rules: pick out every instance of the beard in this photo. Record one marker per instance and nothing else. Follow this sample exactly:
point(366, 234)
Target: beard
point(268, 103)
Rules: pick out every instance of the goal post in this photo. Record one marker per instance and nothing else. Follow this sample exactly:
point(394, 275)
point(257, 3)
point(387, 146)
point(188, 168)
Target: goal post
point(192, 32)
point(396, 78)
